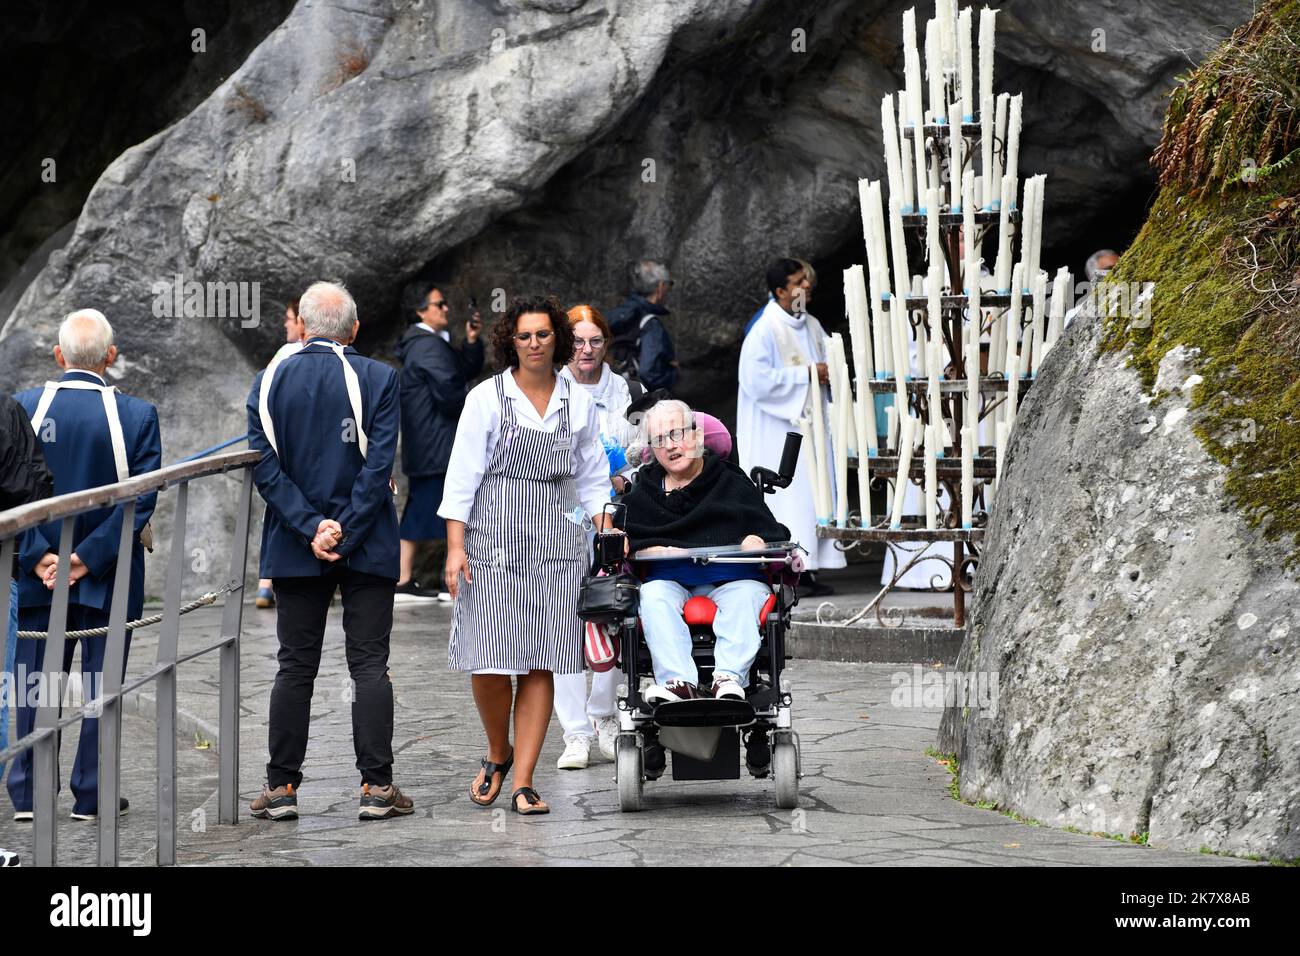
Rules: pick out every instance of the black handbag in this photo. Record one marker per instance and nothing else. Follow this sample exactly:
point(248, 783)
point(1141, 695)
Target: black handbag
point(603, 598)
point(609, 591)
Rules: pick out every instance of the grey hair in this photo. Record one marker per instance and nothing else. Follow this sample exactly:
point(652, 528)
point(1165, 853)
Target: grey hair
point(85, 338)
point(640, 451)
point(646, 276)
point(328, 309)
point(1090, 268)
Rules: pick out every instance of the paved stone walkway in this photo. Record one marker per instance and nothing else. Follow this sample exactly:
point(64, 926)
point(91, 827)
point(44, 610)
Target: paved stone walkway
point(869, 795)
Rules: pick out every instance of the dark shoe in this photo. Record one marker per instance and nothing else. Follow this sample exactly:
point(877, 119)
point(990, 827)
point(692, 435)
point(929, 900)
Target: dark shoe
point(122, 806)
point(278, 804)
point(670, 692)
point(265, 598)
point(758, 753)
point(532, 802)
point(379, 803)
point(480, 793)
point(411, 592)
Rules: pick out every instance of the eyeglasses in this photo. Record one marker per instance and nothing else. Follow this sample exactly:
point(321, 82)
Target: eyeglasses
point(442, 304)
point(524, 337)
point(595, 344)
point(671, 437)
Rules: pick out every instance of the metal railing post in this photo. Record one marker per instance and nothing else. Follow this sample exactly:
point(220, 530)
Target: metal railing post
point(110, 685)
point(168, 643)
point(232, 619)
point(45, 753)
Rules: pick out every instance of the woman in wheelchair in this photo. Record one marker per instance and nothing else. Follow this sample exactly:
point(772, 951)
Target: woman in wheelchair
point(688, 497)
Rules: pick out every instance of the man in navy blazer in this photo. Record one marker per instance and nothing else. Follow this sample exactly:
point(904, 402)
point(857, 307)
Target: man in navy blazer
point(325, 420)
point(91, 435)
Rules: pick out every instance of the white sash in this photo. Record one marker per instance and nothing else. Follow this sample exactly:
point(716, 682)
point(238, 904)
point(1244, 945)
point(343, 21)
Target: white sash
point(791, 352)
point(350, 380)
point(110, 412)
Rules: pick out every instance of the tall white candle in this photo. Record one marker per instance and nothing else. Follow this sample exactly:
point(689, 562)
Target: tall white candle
point(864, 421)
point(900, 335)
point(904, 467)
point(893, 162)
point(956, 161)
point(935, 398)
point(993, 186)
point(1037, 245)
point(1002, 266)
point(1011, 368)
point(920, 333)
point(1060, 301)
point(891, 427)
point(843, 420)
point(1013, 137)
point(934, 309)
point(865, 345)
point(986, 180)
point(965, 67)
point(880, 284)
point(967, 476)
point(915, 111)
point(970, 271)
point(972, 358)
point(908, 200)
point(1026, 335)
point(932, 250)
point(945, 11)
point(986, 55)
point(931, 478)
point(938, 102)
point(1030, 206)
point(1040, 302)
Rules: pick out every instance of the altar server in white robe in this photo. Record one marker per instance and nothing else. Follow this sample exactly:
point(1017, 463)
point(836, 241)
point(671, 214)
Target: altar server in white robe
point(773, 397)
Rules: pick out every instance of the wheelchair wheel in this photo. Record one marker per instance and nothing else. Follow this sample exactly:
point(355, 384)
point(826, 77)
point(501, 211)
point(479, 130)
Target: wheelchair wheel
point(628, 772)
point(785, 770)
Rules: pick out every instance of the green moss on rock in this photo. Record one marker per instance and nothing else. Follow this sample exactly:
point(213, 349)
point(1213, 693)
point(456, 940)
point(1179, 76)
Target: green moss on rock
point(1223, 253)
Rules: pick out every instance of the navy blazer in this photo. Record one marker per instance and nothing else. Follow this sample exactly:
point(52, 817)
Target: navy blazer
point(80, 455)
point(319, 472)
point(434, 381)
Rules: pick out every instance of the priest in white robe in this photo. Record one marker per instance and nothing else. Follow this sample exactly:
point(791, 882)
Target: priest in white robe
point(774, 396)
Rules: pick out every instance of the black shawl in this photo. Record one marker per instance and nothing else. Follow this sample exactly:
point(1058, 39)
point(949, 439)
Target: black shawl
point(720, 507)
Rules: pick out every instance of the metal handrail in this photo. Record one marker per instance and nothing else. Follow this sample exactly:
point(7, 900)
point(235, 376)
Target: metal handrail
point(43, 741)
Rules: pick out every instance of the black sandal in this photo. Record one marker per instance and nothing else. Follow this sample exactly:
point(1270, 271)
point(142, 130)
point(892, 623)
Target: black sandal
point(491, 770)
point(531, 798)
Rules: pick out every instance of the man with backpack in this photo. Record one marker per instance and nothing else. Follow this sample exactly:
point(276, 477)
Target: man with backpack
point(642, 348)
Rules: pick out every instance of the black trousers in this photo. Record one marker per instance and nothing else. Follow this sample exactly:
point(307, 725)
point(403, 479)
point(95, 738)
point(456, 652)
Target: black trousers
point(301, 608)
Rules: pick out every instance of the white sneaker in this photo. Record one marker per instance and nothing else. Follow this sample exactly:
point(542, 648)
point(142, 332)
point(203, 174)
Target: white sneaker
point(727, 686)
point(577, 753)
point(606, 730)
point(444, 597)
point(23, 816)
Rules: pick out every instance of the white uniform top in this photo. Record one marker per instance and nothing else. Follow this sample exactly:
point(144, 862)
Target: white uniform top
point(480, 427)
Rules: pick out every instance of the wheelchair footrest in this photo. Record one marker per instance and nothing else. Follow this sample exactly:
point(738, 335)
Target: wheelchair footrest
point(704, 713)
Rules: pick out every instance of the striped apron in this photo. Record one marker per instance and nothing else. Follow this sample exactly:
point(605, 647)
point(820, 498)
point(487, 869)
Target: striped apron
point(527, 559)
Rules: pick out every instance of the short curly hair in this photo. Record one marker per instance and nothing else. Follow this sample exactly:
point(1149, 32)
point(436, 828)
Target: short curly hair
point(503, 332)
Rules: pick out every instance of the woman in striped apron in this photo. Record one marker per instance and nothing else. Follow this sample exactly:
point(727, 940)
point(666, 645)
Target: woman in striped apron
point(527, 469)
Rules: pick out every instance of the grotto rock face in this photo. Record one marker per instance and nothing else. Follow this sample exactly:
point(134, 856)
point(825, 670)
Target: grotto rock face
point(506, 144)
point(1144, 638)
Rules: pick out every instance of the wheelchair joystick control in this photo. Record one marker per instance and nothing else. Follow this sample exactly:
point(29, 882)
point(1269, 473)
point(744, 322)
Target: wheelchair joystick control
point(769, 481)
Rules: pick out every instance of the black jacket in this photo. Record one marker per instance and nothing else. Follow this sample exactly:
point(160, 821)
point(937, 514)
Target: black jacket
point(639, 335)
point(23, 475)
point(720, 507)
point(434, 381)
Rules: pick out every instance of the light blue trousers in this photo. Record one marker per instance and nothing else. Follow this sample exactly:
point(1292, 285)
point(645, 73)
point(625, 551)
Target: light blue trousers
point(735, 627)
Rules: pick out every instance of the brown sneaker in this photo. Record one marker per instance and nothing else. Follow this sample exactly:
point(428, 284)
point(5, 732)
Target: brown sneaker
point(379, 803)
point(278, 804)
